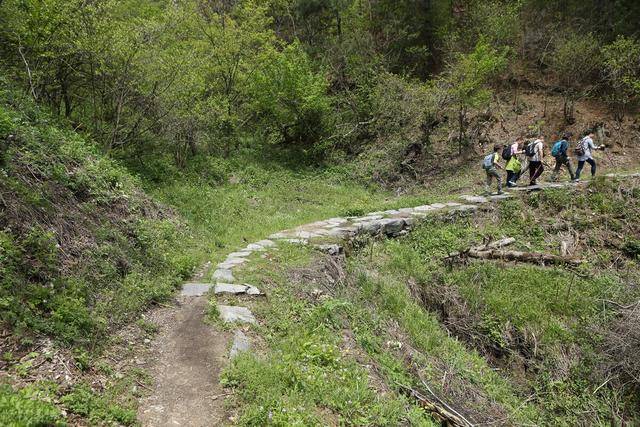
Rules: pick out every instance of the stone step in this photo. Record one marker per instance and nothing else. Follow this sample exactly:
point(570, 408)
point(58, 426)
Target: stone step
point(235, 314)
point(240, 344)
point(230, 288)
point(223, 275)
point(195, 289)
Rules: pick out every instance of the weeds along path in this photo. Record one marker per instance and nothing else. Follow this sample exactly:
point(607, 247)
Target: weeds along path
point(191, 353)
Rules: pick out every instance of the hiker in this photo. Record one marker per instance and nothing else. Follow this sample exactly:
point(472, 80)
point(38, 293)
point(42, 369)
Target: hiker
point(489, 164)
point(513, 167)
point(583, 151)
point(559, 152)
point(535, 153)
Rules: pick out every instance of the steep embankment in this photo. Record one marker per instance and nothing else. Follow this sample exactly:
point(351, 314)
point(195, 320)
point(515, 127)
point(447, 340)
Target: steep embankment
point(82, 251)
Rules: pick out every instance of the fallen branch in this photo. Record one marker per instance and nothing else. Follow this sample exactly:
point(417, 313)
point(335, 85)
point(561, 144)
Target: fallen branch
point(493, 250)
point(531, 257)
point(439, 409)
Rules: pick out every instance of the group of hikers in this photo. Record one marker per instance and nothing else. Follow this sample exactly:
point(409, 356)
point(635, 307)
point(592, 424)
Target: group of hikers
point(522, 156)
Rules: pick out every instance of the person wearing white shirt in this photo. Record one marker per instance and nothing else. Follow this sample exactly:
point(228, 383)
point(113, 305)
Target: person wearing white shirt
point(586, 156)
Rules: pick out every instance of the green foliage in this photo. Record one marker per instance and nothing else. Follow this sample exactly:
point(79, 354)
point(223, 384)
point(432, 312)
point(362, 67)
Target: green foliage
point(465, 83)
point(575, 60)
point(622, 71)
point(28, 406)
point(289, 97)
point(83, 401)
point(75, 278)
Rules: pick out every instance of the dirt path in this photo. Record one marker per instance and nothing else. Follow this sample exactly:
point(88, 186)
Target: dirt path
point(189, 356)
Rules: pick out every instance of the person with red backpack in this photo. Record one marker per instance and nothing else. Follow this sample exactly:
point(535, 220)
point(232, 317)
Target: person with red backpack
point(559, 152)
point(583, 150)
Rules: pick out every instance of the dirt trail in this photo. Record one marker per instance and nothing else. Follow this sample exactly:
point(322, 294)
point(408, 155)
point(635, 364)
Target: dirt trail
point(189, 355)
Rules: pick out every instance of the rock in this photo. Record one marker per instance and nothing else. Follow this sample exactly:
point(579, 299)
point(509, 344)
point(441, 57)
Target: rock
point(240, 254)
point(240, 344)
point(474, 199)
point(330, 249)
point(369, 227)
point(232, 314)
point(296, 241)
point(392, 226)
point(195, 289)
point(230, 288)
point(423, 208)
point(280, 235)
point(438, 205)
point(503, 196)
point(465, 208)
point(452, 204)
point(224, 275)
point(391, 212)
point(235, 261)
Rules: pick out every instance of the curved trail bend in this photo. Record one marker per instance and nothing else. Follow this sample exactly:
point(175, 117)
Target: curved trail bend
point(190, 353)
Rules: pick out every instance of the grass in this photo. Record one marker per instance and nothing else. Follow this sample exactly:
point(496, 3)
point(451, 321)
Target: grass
point(548, 316)
point(306, 377)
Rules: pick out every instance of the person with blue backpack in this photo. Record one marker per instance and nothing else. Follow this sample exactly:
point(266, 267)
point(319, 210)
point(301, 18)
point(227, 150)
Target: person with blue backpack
point(559, 152)
point(490, 164)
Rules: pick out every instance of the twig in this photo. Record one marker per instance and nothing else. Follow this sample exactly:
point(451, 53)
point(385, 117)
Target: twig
point(26, 64)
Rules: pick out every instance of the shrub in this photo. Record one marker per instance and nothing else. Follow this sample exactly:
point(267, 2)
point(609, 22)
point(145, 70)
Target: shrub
point(23, 408)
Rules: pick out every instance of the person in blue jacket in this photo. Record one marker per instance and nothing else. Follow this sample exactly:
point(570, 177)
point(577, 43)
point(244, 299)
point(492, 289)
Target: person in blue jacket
point(560, 153)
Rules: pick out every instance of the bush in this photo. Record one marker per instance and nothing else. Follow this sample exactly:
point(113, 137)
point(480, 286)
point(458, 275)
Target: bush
point(622, 73)
point(25, 409)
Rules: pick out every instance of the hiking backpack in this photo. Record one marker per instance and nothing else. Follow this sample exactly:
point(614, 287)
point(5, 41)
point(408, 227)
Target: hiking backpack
point(556, 150)
point(580, 150)
point(530, 149)
point(487, 163)
point(506, 153)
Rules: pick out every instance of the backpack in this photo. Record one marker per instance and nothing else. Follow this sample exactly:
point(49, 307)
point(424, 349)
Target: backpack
point(506, 153)
point(487, 163)
point(557, 148)
point(580, 149)
point(530, 149)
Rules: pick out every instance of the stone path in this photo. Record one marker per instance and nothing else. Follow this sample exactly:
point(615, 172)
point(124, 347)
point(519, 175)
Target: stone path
point(327, 236)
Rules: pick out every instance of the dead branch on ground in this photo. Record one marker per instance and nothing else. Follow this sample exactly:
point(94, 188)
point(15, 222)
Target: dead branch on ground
point(493, 251)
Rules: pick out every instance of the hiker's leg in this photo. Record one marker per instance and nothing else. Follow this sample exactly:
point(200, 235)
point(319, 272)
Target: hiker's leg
point(579, 170)
point(487, 184)
point(510, 176)
point(556, 169)
point(499, 179)
point(532, 171)
point(568, 163)
point(593, 166)
point(539, 170)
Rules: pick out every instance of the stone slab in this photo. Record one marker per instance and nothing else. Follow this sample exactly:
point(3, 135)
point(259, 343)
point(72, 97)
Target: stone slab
point(223, 275)
point(233, 289)
point(235, 314)
point(474, 199)
point(240, 344)
point(195, 289)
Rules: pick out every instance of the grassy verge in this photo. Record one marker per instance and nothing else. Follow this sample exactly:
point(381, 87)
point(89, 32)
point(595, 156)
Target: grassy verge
point(544, 330)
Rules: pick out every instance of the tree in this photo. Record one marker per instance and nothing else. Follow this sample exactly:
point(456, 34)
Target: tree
point(622, 73)
point(465, 83)
point(575, 61)
point(289, 98)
